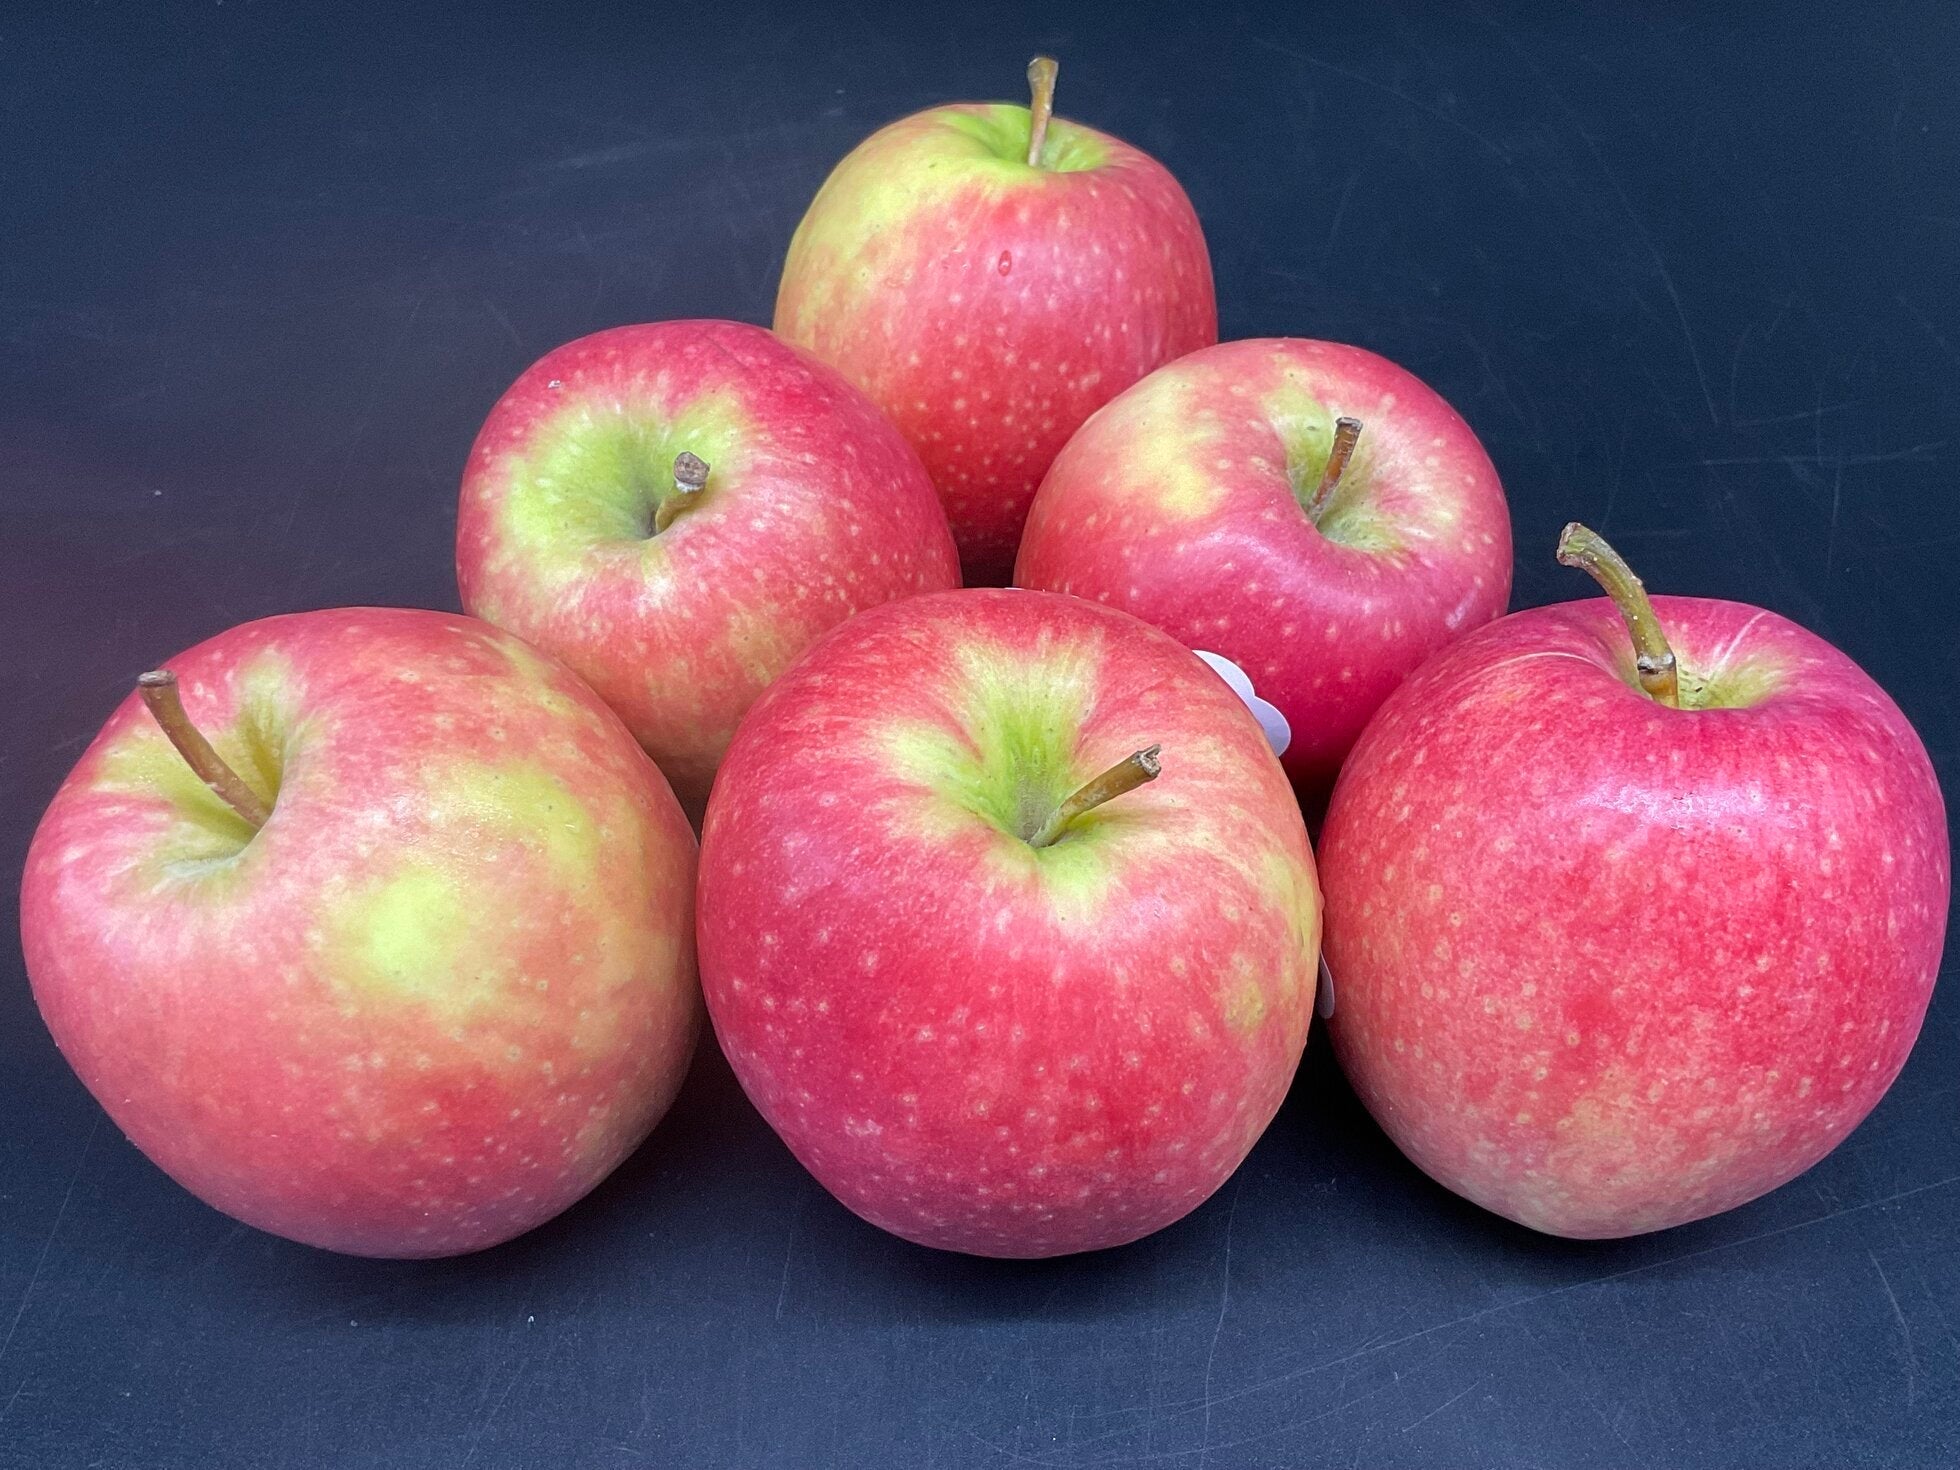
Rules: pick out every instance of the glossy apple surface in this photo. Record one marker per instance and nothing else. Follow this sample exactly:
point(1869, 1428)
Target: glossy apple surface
point(679, 608)
point(444, 989)
point(972, 1041)
point(1605, 966)
point(1187, 502)
point(990, 306)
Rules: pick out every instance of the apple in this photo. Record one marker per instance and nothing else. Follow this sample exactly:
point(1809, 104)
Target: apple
point(998, 989)
point(992, 275)
point(1631, 921)
point(393, 953)
point(677, 510)
point(1307, 509)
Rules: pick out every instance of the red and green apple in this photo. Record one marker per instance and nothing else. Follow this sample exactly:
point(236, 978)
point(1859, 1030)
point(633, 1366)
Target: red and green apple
point(1000, 990)
point(1309, 510)
point(1635, 910)
point(992, 275)
point(677, 510)
point(377, 934)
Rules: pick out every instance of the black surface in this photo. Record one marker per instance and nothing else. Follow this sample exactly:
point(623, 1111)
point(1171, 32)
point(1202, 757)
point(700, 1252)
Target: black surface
point(263, 271)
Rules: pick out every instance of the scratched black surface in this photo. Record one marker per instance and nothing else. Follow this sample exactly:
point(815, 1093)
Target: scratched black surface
point(264, 269)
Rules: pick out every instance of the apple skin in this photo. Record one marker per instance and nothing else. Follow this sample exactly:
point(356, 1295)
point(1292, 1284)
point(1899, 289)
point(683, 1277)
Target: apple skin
point(441, 992)
point(814, 508)
point(990, 307)
point(1182, 502)
point(975, 1044)
point(1604, 966)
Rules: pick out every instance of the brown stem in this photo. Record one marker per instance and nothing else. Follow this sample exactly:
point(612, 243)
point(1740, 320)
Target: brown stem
point(1126, 775)
point(690, 476)
point(1653, 660)
point(1346, 433)
point(159, 691)
point(1041, 82)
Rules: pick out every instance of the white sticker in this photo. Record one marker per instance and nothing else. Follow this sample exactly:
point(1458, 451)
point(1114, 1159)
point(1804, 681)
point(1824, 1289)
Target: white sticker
point(1323, 999)
point(1279, 734)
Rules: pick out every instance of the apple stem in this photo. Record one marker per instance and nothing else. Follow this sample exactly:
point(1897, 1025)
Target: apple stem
point(159, 691)
point(1347, 432)
point(1653, 659)
point(1041, 82)
point(690, 477)
point(1126, 775)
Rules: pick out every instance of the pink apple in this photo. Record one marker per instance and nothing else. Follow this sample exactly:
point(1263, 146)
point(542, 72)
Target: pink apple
point(987, 1012)
point(1622, 944)
point(433, 997)
point(991, 299)
point(677, 511)
point(1201, 501)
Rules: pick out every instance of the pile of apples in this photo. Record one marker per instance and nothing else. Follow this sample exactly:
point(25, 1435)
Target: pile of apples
point(379, 928)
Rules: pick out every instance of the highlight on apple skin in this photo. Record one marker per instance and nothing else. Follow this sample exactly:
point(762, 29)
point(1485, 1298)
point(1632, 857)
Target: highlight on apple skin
point(1627, 931)
point(990, 296)
point(421, 981)
point(1008, 922)
point(677, 510)
point(1308, 509)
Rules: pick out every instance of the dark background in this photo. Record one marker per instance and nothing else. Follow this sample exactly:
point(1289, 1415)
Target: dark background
point(265, 267)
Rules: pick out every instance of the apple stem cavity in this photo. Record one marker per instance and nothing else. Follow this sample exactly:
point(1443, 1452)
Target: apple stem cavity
point(1126, 775)
point(1041, 83)
point(690, 477)
point(1347, 432)
point(1653, 659)
point(166, 705)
